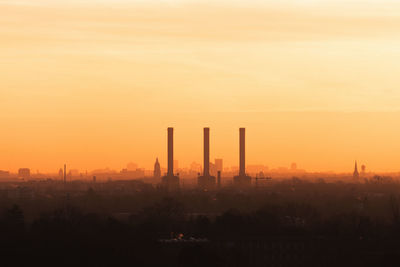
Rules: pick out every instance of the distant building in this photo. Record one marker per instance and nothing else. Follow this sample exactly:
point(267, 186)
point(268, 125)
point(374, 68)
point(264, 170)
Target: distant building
point(356, 175)
point(213, 169)
point(24, 173)
point(176, 164)
point(157, 169)
point(219, 164)
point(363, 169)
point(4, 174)
point(61, 174)
point(127, 174)
point(131, 166)
point(196, 167)
point(73, 173)
point(254, 169)
point(293, 167)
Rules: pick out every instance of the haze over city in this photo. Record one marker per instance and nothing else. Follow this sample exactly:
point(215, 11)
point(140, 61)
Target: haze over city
point(95, 84)
point(196, 133)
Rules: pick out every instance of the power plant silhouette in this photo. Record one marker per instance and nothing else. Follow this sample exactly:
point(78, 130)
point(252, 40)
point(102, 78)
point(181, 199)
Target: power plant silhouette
point(242, 180)
point(170, 182)
point(206, 181)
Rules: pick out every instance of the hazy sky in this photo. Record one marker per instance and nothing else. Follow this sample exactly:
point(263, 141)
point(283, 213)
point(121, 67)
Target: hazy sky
point(96, 83)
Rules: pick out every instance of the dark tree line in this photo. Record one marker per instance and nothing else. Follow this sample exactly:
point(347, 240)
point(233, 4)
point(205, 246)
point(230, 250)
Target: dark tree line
point(343, 223)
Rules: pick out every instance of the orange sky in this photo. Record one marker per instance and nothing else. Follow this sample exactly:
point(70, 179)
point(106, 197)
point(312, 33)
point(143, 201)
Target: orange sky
point(96, 83)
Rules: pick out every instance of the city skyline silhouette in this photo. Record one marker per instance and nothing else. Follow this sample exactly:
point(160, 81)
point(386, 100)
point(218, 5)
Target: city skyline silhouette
point(199, 133)
point(206, 179)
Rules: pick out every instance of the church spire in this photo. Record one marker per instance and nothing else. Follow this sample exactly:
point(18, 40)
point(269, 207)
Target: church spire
point(157, 169)
point(356, 175)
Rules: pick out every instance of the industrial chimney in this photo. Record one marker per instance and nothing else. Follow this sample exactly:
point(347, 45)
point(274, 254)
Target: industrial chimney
point(65, 173)
point(242, 180)
point(242, 148)
point(206, 152)
point(206, 182)
point(170, 151)
point(170, 182)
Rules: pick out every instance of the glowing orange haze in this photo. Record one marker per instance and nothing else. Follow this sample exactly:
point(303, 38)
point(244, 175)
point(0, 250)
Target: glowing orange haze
point(96, 86)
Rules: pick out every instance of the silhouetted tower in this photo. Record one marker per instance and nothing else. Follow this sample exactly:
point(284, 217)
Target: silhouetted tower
point(242, 180)
point(356, 175)
point(219, 179)
point(206, 181)
point(242, 152)
point(170, 152)
point(157, 169)
point(65, 173)
point(206, 152)
point(170, 181)
point(61, 174)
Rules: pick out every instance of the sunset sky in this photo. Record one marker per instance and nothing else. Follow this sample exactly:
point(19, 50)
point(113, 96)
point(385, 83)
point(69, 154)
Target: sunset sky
point(96, 83)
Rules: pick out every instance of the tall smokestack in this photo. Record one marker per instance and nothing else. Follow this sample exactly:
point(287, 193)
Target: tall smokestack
point(170, 151)
point(206, 152)
point(65, 173)
point(242, 160)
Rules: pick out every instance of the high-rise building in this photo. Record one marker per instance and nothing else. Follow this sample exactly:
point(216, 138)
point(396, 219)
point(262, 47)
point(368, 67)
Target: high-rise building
point(157, 169)
point(242, 180)
point(24, 173)
point(170, 182)
point(213, 169)
point(356, 175)
point(206, 182)
point(4, 174)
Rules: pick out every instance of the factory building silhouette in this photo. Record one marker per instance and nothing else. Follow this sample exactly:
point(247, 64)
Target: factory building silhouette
point(170, 182)
point(242, 180)
point(206, 181)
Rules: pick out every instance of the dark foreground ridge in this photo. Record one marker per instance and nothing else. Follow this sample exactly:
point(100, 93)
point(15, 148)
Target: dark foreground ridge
point(289, 223)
